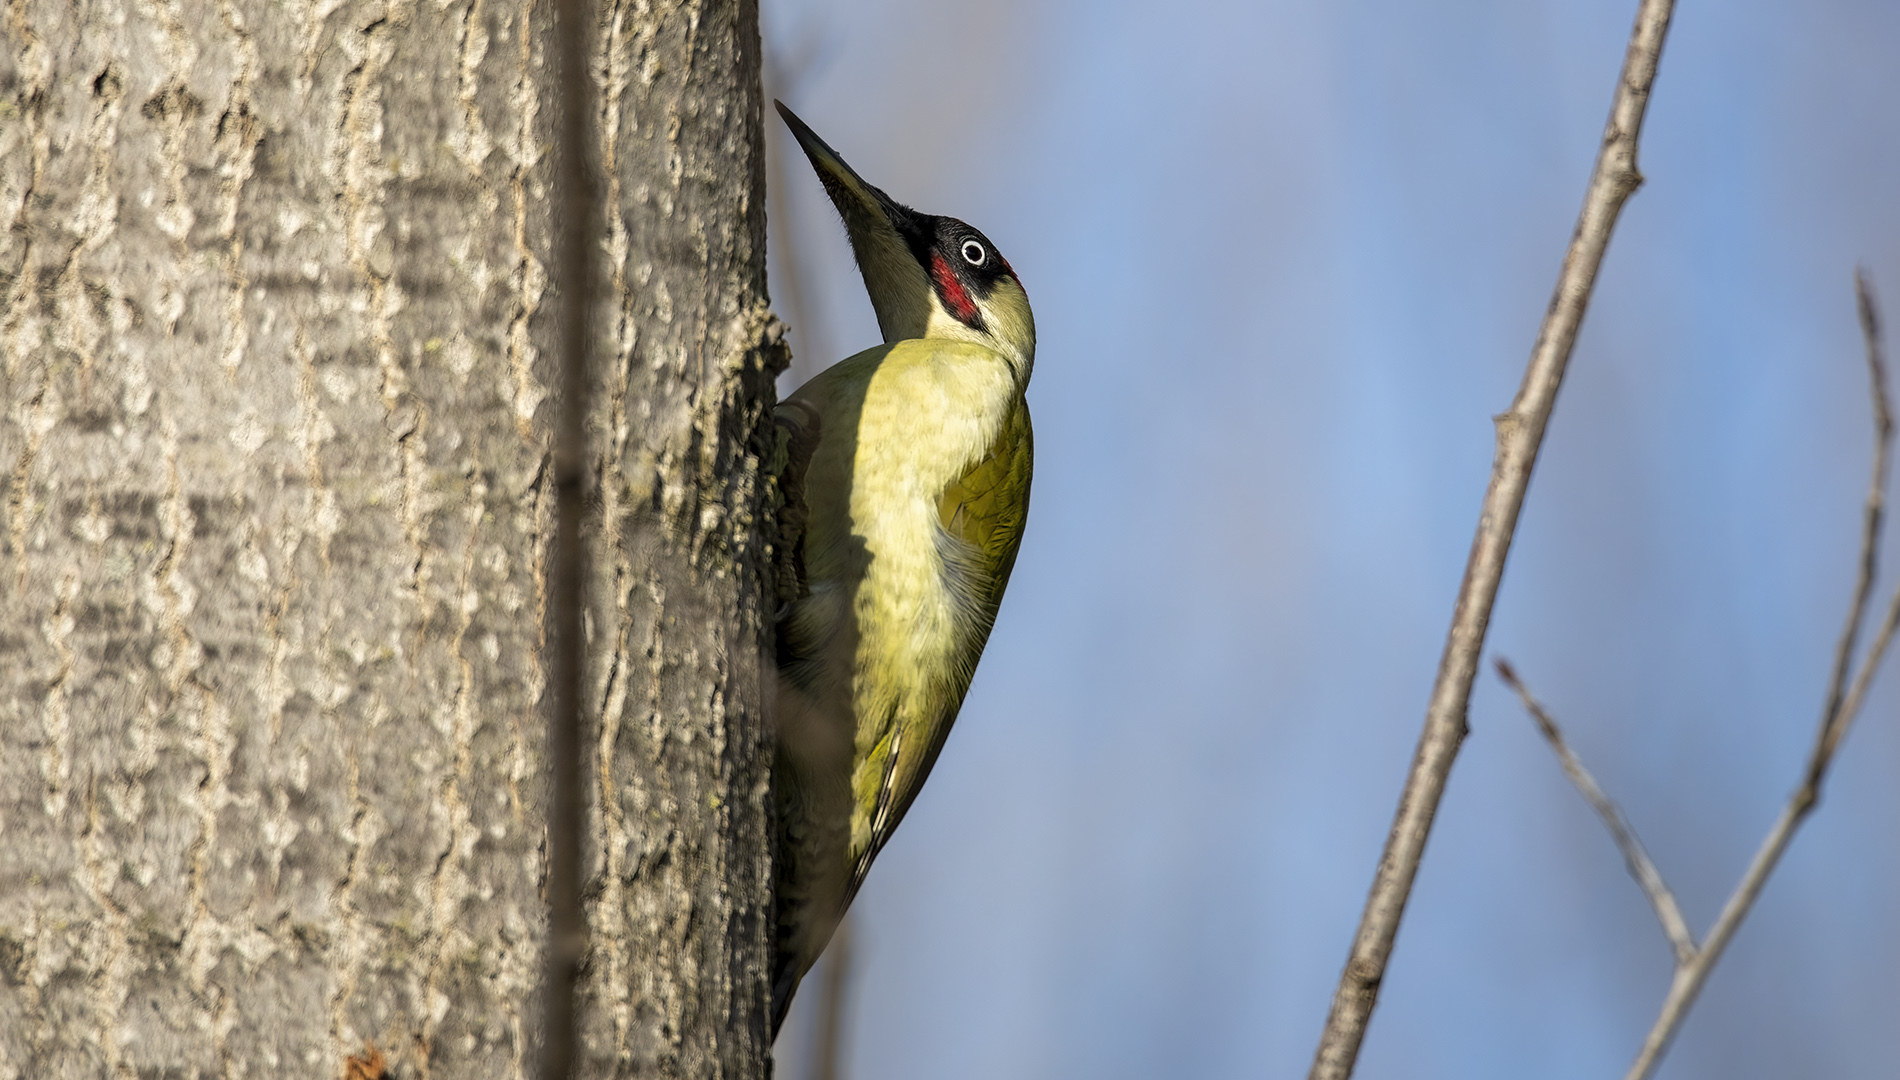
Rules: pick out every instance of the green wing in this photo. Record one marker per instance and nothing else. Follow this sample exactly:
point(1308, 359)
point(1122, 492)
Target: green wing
point(987, 507)
point(985, 510)
point(982, 513)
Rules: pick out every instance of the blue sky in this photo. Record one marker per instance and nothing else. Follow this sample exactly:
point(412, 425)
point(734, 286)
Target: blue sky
point(1287, 260)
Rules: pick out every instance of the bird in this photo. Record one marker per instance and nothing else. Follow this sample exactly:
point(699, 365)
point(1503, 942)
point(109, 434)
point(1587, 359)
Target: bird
point(905, 485)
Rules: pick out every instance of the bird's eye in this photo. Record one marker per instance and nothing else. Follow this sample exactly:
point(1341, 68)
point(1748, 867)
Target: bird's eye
point(973, 253)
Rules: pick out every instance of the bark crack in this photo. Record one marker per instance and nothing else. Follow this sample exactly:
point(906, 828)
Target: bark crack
point(56, 759)
point(471, 143)
point(352, 945)
point(529, 277)
point(449, 886)
point(621, 839)
point(238, 137)
point(364, 178)
point(31, 56)
point(111, 985)
point(615, 984)
point(173, 109)
point(178, 658)
point(76, 328)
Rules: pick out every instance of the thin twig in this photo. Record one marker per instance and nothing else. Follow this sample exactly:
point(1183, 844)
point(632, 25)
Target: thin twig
point(1870, 530)
point(1850, 709)
point(1520, 433)
point(1836, 719)
point(1641, 867)
point(1843, 714)
point(575, 265)
point(1694, 962)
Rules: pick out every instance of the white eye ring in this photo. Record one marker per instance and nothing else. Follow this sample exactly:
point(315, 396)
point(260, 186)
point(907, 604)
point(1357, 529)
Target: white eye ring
point(973, 253)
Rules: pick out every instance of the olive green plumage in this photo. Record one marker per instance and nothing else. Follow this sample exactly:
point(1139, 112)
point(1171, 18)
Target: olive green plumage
point(908, 488)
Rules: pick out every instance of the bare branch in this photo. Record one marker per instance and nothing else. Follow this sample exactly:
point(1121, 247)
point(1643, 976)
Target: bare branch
point(1693, 962)
point(1641, 867)
point(1842, 715)
point(1836, 719)
point(1850, 708)
point(1520, 433)
point(1870, 530)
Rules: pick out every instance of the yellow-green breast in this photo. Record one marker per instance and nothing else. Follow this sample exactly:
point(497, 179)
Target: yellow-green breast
point(917, 492)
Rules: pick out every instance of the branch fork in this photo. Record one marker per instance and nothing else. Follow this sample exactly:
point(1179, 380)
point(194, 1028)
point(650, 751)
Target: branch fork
point(1520, 434)
point(1695, 960)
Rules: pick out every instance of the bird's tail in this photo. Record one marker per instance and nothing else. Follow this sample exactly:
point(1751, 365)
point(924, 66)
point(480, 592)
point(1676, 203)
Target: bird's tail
point(785, 977)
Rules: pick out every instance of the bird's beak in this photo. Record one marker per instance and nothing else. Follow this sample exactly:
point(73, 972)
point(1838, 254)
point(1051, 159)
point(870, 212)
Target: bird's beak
point(863, 206)
point(880, 230)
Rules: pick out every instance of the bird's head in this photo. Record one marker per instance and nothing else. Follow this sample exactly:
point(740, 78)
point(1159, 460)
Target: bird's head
point(928, 276)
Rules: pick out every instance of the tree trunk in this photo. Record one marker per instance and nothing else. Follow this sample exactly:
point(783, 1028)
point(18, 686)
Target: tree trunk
point(275, 505)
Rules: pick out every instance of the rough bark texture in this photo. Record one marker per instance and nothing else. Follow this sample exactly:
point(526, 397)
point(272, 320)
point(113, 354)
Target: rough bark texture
point(274, 509)
point(683, 914)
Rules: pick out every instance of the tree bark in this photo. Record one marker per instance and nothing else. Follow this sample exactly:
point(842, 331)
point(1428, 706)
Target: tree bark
point(275, 503)
point(684, 911)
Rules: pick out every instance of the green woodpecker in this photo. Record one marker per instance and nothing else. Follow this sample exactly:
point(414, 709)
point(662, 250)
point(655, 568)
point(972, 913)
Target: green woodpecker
point(909, 481)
